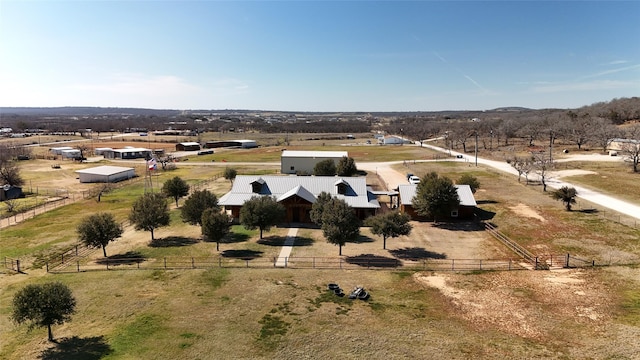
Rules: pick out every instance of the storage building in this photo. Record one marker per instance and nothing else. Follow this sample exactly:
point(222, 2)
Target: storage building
point(303, 162)
point(188, 146)
point(105, 174)
point(127, 153)
point(244, 144)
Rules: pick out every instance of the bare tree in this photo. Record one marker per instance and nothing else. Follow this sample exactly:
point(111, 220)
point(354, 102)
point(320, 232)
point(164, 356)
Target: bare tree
point(604, 132)
point(630, 149)
point(542, 165)
point(522, 165)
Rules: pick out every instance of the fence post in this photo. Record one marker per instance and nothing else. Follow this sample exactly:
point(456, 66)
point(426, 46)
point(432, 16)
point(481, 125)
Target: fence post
point(193, 266)
point(452, 264)
point(78, 264)
point(340, 263)
point(313, 262)
point(76, 250)
point(536, 268)
point(247, 262)
point(165, 263)
point(18, 265)
point(62, 258)
point(47, 264)
point(480, 264)
point(567, 263)
point(509, 264)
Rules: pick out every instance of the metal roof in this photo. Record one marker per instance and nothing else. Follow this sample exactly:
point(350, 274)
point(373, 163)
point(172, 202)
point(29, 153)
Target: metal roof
point(105, 170)
point(357, 193)
point(314, 154)
point(408, 191)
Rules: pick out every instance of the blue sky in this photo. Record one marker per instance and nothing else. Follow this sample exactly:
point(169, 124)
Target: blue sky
point(318, 56)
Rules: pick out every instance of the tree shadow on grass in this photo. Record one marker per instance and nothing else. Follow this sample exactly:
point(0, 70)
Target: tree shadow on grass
point(279, 241)
point(361, 240)
point(76, 348)
point(416, 253)
point(589, 211)
point(460, 226)
point(128, 258)
point(173, 241)
point(371, 260)
point(242, 254)
point(235, 238)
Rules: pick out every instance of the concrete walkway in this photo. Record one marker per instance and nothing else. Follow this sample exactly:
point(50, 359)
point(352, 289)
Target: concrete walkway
point(287, 247)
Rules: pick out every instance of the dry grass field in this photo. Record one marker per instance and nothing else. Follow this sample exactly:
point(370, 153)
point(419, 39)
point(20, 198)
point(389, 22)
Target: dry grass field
point(266, 313)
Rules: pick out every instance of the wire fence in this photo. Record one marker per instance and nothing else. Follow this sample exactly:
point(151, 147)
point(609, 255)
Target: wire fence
point(319, 263)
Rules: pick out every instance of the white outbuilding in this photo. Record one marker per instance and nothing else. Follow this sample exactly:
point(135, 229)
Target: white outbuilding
point(303, 162)
point(105, 174)
point(58, 150)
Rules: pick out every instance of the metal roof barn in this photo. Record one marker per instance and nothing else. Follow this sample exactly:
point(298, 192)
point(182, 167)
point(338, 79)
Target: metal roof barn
point(105, 174)
point(303, 162)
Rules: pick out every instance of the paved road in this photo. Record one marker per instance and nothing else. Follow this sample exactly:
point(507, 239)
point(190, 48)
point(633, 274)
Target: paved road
point(612, 203)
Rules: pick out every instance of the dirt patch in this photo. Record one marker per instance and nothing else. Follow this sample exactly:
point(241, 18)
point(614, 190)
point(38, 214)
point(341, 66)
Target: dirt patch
point(524, 210)
point(572, 172)
point(525, 304)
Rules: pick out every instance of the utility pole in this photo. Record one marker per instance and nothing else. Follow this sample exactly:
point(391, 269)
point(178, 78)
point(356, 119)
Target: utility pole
point(476, 148)
point(551, 146)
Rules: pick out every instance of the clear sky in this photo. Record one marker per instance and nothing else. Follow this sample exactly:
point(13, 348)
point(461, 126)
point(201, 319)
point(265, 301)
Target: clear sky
point(318, 56)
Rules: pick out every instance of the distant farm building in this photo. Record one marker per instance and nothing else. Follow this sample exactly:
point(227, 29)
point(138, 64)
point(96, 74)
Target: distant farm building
point(244, 144)
point(71, 154)
point(188, 146)
point(466, 209)
point(620, 144)
point(59, 150)
point(101, 151)
point(392, 140)
point(303, 162)
point(128, 153)
point(105, 174)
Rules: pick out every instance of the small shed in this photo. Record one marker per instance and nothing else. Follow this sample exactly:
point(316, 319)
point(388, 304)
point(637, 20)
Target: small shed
point(105, 174)
point(9, 192)
point(188, 146)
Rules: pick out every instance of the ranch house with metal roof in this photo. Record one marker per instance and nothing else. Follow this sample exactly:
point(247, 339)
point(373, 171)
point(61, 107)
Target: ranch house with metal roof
point(298, 193)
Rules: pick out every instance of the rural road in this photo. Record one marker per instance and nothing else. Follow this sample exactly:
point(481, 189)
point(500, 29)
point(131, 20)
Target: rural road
point(612, 203)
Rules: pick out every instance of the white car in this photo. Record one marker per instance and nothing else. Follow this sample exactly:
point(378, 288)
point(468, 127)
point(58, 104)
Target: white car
point(414, 180)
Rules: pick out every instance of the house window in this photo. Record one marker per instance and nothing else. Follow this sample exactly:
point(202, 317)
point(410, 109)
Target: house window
point(342, 189)
point(454, 213)
point(293, 168)
point(256, 187)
